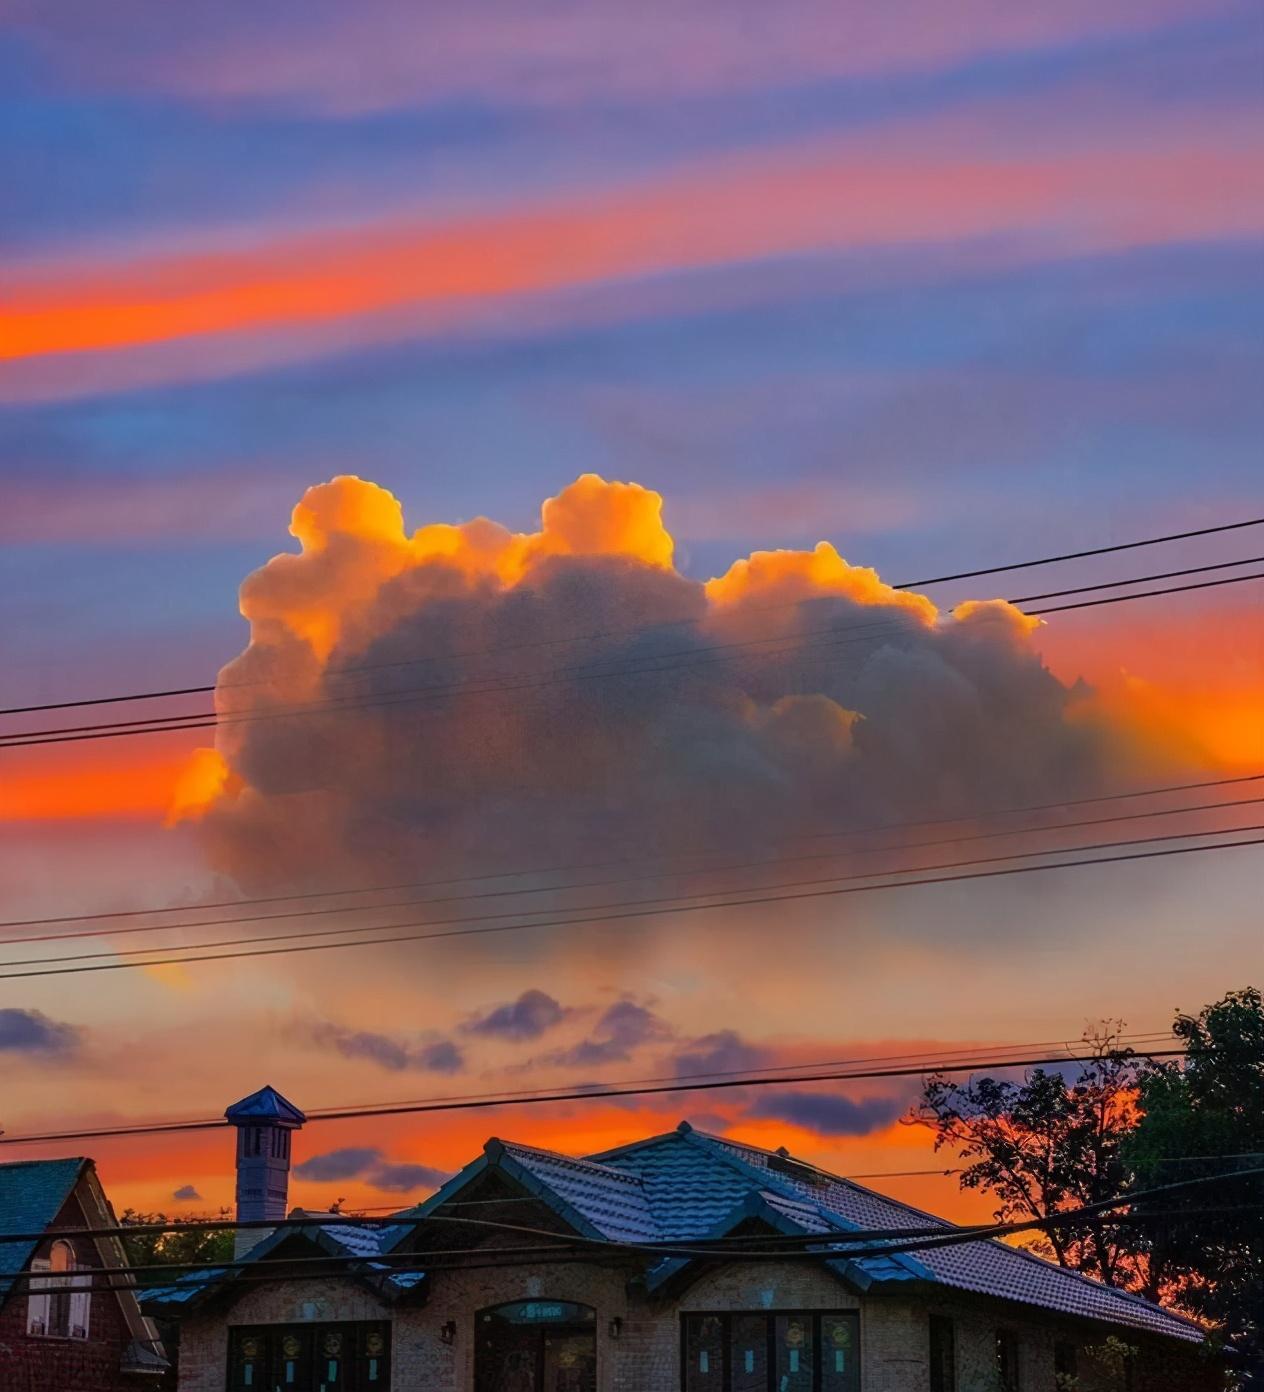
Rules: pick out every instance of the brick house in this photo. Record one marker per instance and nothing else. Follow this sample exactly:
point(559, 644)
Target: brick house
point(403, 1316)
point(60, 1331)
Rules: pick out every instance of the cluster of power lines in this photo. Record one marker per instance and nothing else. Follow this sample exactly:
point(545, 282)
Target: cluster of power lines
point(845, 1244)
point(1146, 823)
point(683, 655)
point(1176, 819)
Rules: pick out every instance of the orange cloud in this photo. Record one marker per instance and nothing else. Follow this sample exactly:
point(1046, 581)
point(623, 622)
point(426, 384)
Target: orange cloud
point(203, 779)
point(786, 576)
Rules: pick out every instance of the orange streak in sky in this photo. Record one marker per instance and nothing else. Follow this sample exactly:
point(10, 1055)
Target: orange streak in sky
point(144, 1171)
point(58, 784)
point(804, 199)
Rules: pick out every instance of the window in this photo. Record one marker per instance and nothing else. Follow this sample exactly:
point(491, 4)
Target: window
point(1065, 1364)
point(310, 1358)
point(1007, 1360)
point(530, 1344)
point(943, 1355)
point(57, 1308)
point(776, 1351)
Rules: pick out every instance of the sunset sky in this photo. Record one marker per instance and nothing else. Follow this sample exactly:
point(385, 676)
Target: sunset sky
point(945, 287)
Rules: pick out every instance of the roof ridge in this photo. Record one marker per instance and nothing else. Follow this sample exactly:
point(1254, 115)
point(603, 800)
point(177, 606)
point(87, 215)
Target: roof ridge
point(582, 1160)
point(836, 1178)
point(599, 1157)
point(51, 1160)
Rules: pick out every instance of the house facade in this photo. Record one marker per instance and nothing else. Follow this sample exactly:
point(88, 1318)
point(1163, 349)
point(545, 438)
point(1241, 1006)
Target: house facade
point(532, 1271)
point(61, 1328)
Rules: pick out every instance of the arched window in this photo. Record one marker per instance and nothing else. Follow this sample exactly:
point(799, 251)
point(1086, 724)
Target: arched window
point(530, 1344)
point(57, 1309)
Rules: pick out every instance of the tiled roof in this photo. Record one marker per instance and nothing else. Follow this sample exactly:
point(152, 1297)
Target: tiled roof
point(336, 1239)
point(31, 1195)
point(160, 1299)
point(266, 1105)
point(613, 1203)
point(687, 1185)
point(984, 1267)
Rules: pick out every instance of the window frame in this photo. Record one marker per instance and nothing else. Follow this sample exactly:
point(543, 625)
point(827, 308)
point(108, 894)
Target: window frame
point(1005, 1337)
point(585, 1324)
point(57, 1294)
point(311, 1333)
point(770, 1316)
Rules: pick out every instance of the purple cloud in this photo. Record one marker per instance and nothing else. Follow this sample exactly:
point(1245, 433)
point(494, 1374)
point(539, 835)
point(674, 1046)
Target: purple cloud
point(443, 1057)
point(186, 1194)
point(369, 1164)
point(528, 1017)
point(828, 1113)
point(440, 1057)
point(403, 1176)
point(622, 1028)
point(725, 1051)
point(348, 1162)
point(32, 1032)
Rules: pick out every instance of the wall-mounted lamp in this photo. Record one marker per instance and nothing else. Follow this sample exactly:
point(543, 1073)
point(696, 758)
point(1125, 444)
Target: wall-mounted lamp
point(448, 1332)
point(616, 1327)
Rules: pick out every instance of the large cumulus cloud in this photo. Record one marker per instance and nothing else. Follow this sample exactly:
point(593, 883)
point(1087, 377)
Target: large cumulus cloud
point(468, 698)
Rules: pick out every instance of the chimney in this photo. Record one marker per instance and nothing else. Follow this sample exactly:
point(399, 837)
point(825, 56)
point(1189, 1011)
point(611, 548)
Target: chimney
point(264, 1121)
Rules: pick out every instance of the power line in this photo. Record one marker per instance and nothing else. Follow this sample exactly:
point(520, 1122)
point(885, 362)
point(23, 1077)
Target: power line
point(903, 585)
point(675, 906)
point(522, 871)
point(518, 892)
point(579, 1094)
point(1080, 555)
point(488, 686)
point(1148, 594)
point(812, 1246)
point(927, 1060)
point(826, 1244)
point(408, 1216)
point(941, 1061)
point(1115, 584)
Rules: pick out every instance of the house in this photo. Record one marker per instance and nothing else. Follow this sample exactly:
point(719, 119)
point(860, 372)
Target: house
point(60, 1327)
point(468, 1291)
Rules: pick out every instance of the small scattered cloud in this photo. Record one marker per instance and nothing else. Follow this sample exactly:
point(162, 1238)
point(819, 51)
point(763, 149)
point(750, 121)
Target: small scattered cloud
point(725, 1051)
point(441, 1056)
point(369, 1164)
point(528, 1017)
point(32, 1032)
point(622, 1028)
point(187, 1194)
point(404, 1176)
point(829, 1113)
point(348, 1162)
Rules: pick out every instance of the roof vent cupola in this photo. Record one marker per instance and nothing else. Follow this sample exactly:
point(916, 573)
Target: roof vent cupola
point(264, 1121)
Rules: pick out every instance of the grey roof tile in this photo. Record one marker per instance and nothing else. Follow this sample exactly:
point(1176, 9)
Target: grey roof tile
point(984, 1267)
point(612, 1201)
point(687, 1185)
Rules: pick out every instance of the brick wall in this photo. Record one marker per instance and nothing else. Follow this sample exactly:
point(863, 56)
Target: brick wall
point(646, 1355)
point(40, 1364)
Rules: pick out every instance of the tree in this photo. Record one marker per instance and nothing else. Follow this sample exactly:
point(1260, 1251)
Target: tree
point(1044, 1145)
point(184, 1241)
point(1205, 1117)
